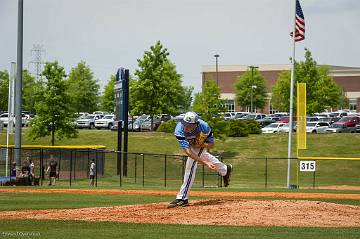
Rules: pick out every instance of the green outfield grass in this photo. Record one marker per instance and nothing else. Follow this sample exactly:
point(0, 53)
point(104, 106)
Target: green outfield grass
point(254, 146)
point(247, 154)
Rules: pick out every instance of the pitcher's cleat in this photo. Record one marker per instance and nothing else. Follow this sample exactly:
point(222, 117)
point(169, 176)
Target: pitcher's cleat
point(226, 178)
point(178, 203)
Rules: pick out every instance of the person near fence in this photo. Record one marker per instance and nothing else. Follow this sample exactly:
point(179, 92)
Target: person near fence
point(92, 172)
point(195, 138)
point(25, 173)
point(52, 171)
point(31, 168)
point(13, 170)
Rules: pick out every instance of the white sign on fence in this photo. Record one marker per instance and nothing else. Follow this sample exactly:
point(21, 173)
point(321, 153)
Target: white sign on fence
point(307, 166)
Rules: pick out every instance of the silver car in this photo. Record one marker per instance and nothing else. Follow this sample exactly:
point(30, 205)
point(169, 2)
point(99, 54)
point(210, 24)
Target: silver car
point(316, 127)
point(272, 128)
point(340, 128)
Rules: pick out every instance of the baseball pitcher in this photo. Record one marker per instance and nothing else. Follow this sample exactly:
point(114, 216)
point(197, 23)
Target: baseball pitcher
point(195, 137)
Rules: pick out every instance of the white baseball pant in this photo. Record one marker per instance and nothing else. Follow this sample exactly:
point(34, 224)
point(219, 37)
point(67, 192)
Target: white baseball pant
point(190, 171)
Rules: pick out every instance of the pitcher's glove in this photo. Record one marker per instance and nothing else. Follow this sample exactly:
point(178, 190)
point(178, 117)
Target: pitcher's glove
point(201, 138)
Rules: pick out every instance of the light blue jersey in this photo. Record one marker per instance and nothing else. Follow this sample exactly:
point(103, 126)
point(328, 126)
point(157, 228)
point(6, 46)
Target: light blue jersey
point(187, 139)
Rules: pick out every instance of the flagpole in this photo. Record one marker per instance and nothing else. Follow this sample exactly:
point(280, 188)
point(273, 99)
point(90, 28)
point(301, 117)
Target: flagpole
point(291, 101)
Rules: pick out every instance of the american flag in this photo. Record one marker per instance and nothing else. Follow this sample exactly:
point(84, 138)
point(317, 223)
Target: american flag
point(299, 23)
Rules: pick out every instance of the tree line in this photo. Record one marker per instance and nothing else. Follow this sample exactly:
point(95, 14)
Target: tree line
point(156, 88)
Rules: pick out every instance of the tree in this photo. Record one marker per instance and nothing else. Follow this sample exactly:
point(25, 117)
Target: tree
point(108, 98)
point(322, 91)
point(209, 104)
point(4, 90)
point(185, 102)
point(54, 114)
point(158, 85)
point(30, 91)
point(83, 89)
point(251, 89)
point(208, 101)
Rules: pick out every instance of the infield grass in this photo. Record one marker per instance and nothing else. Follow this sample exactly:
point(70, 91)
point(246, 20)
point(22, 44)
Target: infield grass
point(82, 229)
point(78, 229)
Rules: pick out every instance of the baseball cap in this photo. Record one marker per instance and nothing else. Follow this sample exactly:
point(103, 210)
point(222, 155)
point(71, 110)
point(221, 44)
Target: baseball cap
point(190, 118)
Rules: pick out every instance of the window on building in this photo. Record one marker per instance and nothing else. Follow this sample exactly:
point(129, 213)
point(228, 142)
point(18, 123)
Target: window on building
point(352, 104)
point(272, 109)
point(229, 105)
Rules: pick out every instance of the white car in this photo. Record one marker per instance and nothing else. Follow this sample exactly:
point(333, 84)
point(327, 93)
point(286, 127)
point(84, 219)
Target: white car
point(4, 118)
point(285, 128)
point(87, 122)
point(272, 128)
point(106, 122)
point(317, 127)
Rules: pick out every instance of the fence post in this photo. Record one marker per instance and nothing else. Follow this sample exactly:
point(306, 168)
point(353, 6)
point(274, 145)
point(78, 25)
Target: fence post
point(143, 170)
point(135, 167)
point(96, 170)
point(75, 166)
point(119, 167)
point(42, 169)
point(203, 176)
point(266, 172)
point(314, 177)
point(70, 166)
point(165, 171)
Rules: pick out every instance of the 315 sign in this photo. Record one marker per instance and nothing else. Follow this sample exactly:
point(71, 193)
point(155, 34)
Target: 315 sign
point(307, 166)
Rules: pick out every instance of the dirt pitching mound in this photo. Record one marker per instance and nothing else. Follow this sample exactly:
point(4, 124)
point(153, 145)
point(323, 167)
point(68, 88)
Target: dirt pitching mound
point(236, 212)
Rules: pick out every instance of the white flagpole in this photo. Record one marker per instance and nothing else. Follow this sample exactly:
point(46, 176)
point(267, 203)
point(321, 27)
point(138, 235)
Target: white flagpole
point(291, 101)
point(10, 113)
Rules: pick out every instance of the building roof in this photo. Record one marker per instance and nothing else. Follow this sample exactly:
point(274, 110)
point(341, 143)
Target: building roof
point(334, 70)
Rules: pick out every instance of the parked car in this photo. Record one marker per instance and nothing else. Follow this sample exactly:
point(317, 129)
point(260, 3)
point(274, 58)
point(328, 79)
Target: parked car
point(340, 127)
point(115, 126)
point(338, 114)
point(272, 128)
point(268, 120)
point(4, 118)
point(87, 122)
point(357, 128)
point(179, 117)
point(312, 119)
point(350, 121)
point(105, 122)
point(329, 120)
point(228, 115)
point(316, 127)
point(138, 124)
point(253, 117)
point(239, 115)
point(285, 128)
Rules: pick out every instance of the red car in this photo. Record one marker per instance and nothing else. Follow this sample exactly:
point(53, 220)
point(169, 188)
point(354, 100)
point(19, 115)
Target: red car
point(350, 121)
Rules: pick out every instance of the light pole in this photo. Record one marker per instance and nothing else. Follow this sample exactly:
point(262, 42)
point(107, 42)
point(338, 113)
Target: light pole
point(252, 85)
point(252, 89)
point(217, 73)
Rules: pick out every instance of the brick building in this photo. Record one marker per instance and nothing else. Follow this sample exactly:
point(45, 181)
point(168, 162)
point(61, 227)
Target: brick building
point(346, 77)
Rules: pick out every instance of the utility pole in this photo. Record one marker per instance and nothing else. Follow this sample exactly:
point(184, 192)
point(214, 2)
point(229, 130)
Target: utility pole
point(18, 86)
point(37, 52)
point(217, 72)
point(252, 86)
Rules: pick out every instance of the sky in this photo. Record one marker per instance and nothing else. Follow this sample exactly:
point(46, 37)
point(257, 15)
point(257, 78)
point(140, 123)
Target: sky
point(108, 34)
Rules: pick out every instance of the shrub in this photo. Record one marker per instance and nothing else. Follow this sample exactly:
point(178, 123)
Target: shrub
point(253, 126)
point(237, 128)
point(218, 126)
point(167, 127)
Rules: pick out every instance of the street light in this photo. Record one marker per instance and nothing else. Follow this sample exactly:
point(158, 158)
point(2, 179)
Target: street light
point(252, 89)
point(252, 85)
point(217, 73)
